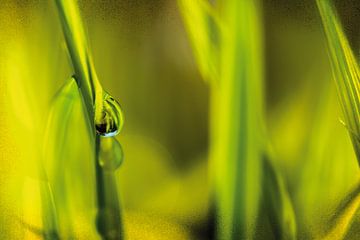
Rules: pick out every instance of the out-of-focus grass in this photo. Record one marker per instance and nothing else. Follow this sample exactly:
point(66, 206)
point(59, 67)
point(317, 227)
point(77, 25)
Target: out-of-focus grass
point(230, 37)
point(203, 23)
point(141, 55)
point(229, 34)
point(317, 166)
point(30, 83)
point(346, 73)
point(346, 70)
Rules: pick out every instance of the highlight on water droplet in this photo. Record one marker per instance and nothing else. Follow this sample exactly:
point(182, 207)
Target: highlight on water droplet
point(111, 154)
point(111, 120)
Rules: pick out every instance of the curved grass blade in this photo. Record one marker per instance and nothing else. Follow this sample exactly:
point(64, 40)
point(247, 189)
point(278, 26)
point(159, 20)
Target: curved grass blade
point(49, 216)
point(55, 149)
point(346, 71)
point(57, 121)
point(203, 26)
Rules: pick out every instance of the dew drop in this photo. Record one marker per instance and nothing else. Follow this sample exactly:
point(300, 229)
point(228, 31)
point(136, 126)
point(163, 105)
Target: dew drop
point(111, 154)
point(111, 118)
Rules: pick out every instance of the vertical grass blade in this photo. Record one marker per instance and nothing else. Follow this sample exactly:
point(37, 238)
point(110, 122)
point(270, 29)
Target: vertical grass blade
point(109, 222)
point(278, 203)
point(237, 130)
point(237, 166)
point(345, 69)
point(55, 150)
point(236, 106)
point(49, 215)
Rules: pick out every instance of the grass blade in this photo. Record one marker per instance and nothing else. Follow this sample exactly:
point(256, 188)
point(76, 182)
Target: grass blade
point(227, 45)
point(104, 117)
point(238, 102)
point(346, 71)
point(278, 202)
point(78, 47)
point(203, 25)
point(347, 75)
point(55, 151)
point(109, 222)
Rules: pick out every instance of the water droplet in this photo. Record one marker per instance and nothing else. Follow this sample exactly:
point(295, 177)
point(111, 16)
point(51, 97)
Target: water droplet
point(111, 154)
point(111, 120)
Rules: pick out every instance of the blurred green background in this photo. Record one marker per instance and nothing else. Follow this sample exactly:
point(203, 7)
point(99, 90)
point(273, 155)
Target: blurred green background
point(143, 58)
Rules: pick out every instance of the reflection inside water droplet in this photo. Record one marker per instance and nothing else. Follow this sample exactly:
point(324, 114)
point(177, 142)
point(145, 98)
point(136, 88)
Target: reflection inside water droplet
point(111, 120)
point(111, 154)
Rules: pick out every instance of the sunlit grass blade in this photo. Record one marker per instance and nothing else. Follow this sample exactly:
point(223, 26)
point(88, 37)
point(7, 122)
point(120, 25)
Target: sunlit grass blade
point(54, 152)
point(346, 71)
point(104, 117)
point(203, 26)
point(237, 163)
point(343, 216)
point(80, 55)
point(60, 112)
point(40, 188)
point(50, 221)
point(236, 106)
point(278, 203)
point(54, 139)
point(347, 76)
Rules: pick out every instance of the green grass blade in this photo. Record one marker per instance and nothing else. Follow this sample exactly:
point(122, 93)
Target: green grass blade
point(203, 25)
point(49, 216)
point(103, 112)
point(77, 44)
point(346, 71)
point(55, 151)
point(347, 75)
point(233, 64)
point(49, 229)
point(109, 222)
point(238, 134)
point(278, 203)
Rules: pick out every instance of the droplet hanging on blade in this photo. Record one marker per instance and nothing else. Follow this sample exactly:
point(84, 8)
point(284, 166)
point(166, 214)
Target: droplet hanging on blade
point(111, 154)
point(111, 119)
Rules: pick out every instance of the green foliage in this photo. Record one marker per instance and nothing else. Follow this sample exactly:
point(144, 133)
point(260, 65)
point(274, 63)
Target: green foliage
point(278, 203)
point(204, 29)
point(347, 76)
point(346, 71)
point(232, 60)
